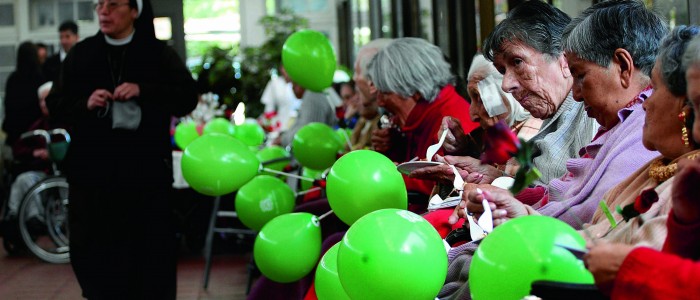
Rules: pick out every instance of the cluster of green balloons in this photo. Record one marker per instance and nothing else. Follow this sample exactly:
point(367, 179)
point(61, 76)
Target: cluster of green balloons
point(216, 164)
point(288, 247)
point(309, 59)
point(524, 250)
point(363, 181)
point(316, 146)
point(388, 254)
point(262, 199)
point(251, 134)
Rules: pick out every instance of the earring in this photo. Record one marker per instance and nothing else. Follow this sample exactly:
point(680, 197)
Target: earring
point(684, 130)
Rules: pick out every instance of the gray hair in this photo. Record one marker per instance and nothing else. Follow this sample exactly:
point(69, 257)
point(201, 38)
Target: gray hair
point(692, 54)
point(602, 28)
point(535, 23)
point(368, 51)
point(408, 66)
point(670, 57)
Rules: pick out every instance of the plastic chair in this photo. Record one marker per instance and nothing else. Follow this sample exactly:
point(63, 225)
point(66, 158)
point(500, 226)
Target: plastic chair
point(212, 229)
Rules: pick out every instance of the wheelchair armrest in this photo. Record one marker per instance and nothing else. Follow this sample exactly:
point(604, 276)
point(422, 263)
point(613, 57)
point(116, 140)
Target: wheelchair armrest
point(553, 290)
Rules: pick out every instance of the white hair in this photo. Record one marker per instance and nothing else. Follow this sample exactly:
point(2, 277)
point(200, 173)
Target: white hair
point(368, 51)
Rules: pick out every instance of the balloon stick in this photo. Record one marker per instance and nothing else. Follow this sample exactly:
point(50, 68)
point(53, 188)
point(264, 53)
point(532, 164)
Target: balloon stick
point(325, 215)
point(287, 174)
point(307, 191)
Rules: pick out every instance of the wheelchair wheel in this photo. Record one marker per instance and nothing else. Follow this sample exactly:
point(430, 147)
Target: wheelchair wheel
point(43, 220)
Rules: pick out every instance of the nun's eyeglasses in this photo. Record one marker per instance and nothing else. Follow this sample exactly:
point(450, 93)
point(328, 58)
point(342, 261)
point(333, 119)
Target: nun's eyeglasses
point(110, 5)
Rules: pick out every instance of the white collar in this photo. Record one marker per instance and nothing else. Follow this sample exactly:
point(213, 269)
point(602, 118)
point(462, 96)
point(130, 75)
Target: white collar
point(62, 54)
point(120, 42)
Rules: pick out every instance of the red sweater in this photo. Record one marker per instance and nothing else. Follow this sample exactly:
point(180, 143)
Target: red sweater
point(421, 130)
point(673, 273)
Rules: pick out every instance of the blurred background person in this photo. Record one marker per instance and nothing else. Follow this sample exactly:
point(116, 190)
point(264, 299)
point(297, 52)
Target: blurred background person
point(68, 35)
point(349, 111)
point(21, 101)
point(280, 102)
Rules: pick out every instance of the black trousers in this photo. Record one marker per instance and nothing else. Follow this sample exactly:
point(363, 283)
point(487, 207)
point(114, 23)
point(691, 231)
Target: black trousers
point(122, 241)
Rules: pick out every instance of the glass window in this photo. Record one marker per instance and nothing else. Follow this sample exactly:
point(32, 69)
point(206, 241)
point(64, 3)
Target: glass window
point(7, 14)
point(42, 14)
point(7, 56)
point(65, 11)
point(86, 11)
point(387, 31)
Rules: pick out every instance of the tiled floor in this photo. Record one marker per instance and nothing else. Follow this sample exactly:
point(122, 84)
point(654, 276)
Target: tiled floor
point(26, 277)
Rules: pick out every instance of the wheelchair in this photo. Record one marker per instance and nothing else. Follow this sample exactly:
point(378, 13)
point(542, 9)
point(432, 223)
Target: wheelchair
point(42, 217)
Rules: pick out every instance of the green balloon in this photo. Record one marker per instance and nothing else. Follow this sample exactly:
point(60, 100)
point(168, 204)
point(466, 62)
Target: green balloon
point(262, 199)
point(216, 164)
point(316, 146)
point(185, 133)
point(251, 134)
point(522, 251)
point(326, 282)
point(288, 247)
point(392, 254)
point(220, 125)
point(309, 173)
point(363, 181)
point(309, 59)
point(343, 135)
point(271, 153)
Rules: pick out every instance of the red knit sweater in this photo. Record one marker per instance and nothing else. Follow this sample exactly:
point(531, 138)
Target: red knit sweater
point(421, 129)
point(673, 273)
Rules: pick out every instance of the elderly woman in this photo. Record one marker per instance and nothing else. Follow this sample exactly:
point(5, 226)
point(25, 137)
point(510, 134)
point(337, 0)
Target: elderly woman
point(489, 105)
point(629, 271)
point(415, 85)
point(526, 48)
point(619, 67)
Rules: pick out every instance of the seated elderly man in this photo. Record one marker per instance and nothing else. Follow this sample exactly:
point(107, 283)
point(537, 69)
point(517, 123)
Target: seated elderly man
point(415, 85)
point(610, 50)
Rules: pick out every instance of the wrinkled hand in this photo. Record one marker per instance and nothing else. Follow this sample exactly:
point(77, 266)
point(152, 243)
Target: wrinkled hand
point(440, 173)
point(126, 91)
point(472, 170)
point(456, 140)
point(41, 154)
point(381, 139)
point(604, 261)
point(502, 203)
point(98, 98)
point(686, 207)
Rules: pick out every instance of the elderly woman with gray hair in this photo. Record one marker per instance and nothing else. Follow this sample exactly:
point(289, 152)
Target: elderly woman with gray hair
point(489, 105)
point(527, 49)
point(415, 85)
point(610, 50)
point(622, 268)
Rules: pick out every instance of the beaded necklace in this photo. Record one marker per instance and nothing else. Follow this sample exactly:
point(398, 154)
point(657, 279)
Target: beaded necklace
point(660, 172)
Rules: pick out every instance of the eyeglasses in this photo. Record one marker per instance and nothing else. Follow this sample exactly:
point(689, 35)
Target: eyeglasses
point(110, 5)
